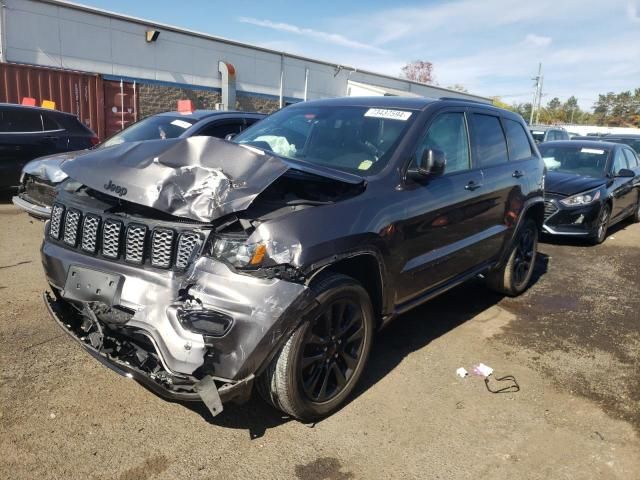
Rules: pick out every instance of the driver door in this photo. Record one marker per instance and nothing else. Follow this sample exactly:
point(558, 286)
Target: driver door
point(442, 212)
point(622, 187)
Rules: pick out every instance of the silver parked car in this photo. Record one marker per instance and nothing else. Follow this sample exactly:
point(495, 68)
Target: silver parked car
point(41, 176)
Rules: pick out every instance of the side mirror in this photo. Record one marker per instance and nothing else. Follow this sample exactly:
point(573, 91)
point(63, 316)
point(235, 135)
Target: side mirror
point(431, 163)
point(625, 172)
point(229, 136)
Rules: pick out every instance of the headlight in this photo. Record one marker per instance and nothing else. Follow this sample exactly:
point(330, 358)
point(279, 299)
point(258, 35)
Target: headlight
point(581, 198)
point(235, 251)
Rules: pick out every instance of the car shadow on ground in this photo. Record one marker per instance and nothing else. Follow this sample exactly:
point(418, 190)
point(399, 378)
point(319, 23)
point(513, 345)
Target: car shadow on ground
point(580, 241)
point(406, 334)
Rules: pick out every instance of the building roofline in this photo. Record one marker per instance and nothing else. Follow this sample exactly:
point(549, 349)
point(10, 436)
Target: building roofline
point(207, 36)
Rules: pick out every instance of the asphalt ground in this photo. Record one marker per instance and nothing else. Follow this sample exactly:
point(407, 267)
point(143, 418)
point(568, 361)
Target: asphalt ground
point(572, 342)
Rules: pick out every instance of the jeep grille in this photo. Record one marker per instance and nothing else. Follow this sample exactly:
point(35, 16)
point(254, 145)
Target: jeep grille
point(134, 242)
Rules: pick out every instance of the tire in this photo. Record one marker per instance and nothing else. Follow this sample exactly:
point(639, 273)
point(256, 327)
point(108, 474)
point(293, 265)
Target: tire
point(288, 381)
point(636, 215)
point(514, 276)
point(603, 224)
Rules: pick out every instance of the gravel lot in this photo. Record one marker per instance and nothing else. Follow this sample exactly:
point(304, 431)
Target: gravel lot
point(572, 342)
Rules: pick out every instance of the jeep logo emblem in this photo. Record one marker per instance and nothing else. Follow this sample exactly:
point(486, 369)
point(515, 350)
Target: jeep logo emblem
point(117, 189)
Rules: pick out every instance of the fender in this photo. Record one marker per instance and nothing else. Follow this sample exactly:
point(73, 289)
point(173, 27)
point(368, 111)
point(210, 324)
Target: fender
point(530, 202)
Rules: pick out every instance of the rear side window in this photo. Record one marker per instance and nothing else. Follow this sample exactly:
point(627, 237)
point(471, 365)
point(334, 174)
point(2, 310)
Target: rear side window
point(490, 147)
point(221, 129)
point(448, 133)
point(632, 160)
point(251, 121)
point(519, 147)
point(20, 121)
point(49, 123)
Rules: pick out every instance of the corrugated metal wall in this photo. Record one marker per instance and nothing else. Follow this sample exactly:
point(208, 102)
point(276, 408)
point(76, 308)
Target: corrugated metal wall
point(78, 93)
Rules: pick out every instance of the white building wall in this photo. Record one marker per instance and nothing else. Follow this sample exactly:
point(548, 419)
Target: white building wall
point(57, 34)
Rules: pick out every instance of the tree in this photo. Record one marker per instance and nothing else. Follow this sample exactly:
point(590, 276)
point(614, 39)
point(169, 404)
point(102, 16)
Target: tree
point(554, 104)
point(419, 71)
point(572, 112)
point(618, 109)
point(497, 101)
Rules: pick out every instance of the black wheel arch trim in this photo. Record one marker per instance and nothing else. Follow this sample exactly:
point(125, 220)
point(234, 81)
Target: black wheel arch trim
point(509, 242)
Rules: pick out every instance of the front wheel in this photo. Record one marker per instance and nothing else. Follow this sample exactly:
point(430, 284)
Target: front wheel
point(603, 224)
point(318, 367)
point(514, 276)
point(636, 214)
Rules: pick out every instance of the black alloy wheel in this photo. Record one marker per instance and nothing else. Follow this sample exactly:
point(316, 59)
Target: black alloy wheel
point(332, 349)
point(524, 256)
point(318, 367)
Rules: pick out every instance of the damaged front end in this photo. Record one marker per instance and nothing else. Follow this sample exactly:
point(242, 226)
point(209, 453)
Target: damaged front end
point(162, 266)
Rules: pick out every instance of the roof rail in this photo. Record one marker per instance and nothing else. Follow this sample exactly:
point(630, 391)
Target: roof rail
point(464, 100)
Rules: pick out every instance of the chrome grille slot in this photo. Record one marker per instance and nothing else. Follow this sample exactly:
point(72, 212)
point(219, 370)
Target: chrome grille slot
point(71, 224)
point(56, 220)
point(134, 243)
point(111, 238)
point(162, 247)
point(90, 227)
point(187, 244)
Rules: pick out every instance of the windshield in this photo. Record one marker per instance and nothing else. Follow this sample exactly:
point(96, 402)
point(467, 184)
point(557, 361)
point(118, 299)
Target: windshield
point(151, 128)
point(355, 139)
point(586, 161)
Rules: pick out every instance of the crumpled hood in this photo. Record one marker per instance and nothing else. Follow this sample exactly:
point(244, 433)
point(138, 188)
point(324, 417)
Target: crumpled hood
point(201, 178)
point(48, 167)
point(570, 184)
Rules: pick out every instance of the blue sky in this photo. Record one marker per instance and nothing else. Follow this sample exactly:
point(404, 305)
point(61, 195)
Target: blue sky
point(492, 47)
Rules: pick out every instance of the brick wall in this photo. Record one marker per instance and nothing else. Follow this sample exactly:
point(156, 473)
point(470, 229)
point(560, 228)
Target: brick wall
point(159, 98)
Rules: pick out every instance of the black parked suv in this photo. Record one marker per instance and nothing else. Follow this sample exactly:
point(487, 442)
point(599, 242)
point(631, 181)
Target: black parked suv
point(30, 132)
point(201, 267)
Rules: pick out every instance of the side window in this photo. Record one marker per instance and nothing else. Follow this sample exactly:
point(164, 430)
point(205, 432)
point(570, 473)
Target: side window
point(20, 121)
point(519, 147)
point(448, 133)
point(249, 121)
point(490, 147)
point(221, 129)
point(619, 161)
point(552, 135)
point(632, 160)
point(49, 123)
point(563, 135)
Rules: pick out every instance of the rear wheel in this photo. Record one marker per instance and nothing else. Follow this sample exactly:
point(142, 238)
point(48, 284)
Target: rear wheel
point(514, 276)
point(318, 367)
point(603, 224)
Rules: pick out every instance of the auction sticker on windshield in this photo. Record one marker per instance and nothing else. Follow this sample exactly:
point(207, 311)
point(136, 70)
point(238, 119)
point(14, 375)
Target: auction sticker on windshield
point(592, 150)
point(180, 123)
point(386, 113)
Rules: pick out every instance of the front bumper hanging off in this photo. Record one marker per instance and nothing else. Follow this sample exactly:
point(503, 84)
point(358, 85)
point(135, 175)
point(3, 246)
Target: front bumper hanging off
point(202, 390)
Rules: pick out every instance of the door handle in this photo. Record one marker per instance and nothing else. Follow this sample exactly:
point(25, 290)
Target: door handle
point(472, 186)
point(518, 174)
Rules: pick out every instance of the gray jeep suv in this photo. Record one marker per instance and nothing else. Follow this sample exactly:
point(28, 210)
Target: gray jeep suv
point(202, 267)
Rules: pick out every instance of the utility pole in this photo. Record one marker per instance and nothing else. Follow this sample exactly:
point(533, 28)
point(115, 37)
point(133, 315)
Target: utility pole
point(535, 104)
point(539, 97)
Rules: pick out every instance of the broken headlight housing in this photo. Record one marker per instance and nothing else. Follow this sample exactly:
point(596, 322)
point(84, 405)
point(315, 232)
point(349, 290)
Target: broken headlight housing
point(581, 198)
point(234, 250)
